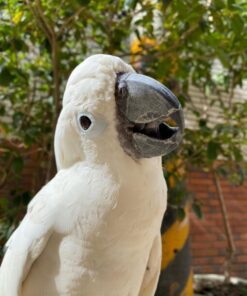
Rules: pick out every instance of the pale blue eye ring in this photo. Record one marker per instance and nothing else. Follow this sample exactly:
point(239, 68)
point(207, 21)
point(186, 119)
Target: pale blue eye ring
point(86, 121)
point(90, 125)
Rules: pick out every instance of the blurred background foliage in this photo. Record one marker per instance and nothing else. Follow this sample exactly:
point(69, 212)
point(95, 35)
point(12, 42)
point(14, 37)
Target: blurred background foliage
point(177, 42)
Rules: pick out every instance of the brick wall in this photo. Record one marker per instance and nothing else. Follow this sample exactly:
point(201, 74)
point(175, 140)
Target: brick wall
point(208, 237)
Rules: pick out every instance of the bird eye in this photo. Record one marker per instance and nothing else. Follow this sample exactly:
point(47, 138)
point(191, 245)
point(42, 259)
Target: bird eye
point(90, 125)
point(85, 122)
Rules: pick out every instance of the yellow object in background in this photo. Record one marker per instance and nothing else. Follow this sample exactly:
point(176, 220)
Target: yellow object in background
point(176, 278)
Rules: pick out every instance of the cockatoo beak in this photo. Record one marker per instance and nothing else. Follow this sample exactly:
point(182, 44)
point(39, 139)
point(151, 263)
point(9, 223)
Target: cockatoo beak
point(153, 112)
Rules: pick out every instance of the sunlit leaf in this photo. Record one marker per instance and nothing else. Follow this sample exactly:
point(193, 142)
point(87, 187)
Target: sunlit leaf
point(17, 17)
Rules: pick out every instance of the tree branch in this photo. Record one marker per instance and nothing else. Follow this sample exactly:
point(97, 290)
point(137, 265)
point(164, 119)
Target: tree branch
point(227, 227)
point(40, 21)
point(46, 24)
point(50, 33)
point(70, 20)
point(6, 171)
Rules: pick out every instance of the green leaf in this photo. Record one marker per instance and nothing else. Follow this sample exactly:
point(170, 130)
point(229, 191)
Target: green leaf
point(17, 17)
point(222, 171)
point(180, 213)
point(4, 203)
point(83, 2)
point(238, 24)
point(237, 154)
point(197, 114)
point(4, 45)
point(138, 34)
point(202, 122)
point(6, 76)
point(166, 2)
point(18, 164)
point(230, 3)
point(130, 4)
point(213, 150)
point(2, 110)
point(197, 210)
point(19, 44)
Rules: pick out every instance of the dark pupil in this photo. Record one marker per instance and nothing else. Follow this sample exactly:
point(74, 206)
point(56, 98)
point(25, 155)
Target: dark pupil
point(85, 122)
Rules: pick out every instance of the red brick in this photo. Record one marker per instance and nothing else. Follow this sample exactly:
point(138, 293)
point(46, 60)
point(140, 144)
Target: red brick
point(242, 258)
point(205, 252)
point(209, 233)
point(218, 260)
point(240, 244)
point(200, 261)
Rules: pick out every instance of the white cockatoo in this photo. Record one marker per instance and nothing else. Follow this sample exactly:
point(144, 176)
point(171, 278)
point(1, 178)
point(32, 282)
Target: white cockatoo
point(94, 229)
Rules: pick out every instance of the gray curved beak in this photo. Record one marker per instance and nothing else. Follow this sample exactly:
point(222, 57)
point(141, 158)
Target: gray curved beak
point(149, 106)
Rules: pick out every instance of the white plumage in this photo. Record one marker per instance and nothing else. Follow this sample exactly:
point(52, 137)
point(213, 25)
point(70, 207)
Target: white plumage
point(95, 227)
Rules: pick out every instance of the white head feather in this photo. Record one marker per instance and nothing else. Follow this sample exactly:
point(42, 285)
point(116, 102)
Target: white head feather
point(91, 91)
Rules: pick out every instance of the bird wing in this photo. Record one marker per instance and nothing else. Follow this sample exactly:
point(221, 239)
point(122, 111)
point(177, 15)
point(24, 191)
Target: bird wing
point(28, 241)
point(151, 276)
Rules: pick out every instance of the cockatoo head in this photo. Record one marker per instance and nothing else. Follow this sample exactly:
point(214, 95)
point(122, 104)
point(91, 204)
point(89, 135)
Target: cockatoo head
point(110, 111)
